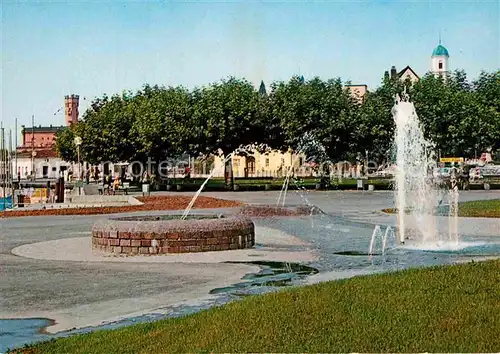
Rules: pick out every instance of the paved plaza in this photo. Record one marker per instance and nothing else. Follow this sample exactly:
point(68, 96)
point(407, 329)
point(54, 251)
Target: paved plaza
point(52, 274)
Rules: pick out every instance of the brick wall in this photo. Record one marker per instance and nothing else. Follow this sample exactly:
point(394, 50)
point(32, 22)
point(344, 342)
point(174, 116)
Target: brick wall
point(120, 239)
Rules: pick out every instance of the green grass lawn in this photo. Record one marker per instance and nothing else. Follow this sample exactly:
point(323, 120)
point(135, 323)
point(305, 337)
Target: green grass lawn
point(274, 184)
point(480, 208)
point(441, 309)
point(477, 208)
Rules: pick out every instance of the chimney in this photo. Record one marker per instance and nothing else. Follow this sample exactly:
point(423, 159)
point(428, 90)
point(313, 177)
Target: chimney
point(394, 73)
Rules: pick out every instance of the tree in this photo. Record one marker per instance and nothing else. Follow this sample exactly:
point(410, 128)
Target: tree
point(339, 121)
point(456, 114)
point(226, 116)
point(107, 134)
point(487, 87)
point(323, 111)
point(297, 107)
point(65, 144)
point(161, 126)
point(374, 130)
point(487, 95)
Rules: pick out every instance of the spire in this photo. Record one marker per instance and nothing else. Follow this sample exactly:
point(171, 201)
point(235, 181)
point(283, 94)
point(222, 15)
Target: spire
point(262, 88)
point(439, 37)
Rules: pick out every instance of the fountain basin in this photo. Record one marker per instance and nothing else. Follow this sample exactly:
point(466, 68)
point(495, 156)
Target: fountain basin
point(149, 235)
point(263, 210)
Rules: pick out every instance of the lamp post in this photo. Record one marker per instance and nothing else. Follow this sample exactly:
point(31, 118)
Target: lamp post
point(366, 165)
point(33, 172)
point(78, 142)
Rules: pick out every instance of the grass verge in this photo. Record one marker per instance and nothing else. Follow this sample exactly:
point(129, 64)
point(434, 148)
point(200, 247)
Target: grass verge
point(480, 208)
point(439, 309)
point(476, 209)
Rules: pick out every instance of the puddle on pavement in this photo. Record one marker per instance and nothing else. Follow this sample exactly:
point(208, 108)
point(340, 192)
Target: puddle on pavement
point(272, 274)
point(14, 333)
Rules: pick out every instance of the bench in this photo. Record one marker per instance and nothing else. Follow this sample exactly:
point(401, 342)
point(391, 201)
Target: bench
point(122, 188)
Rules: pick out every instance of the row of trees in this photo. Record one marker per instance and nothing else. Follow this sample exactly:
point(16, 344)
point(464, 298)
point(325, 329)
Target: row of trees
point(459, 116)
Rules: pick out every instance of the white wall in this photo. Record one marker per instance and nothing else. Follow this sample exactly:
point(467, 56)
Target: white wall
point(435, 64)
point(24, 165)
point(270, 164)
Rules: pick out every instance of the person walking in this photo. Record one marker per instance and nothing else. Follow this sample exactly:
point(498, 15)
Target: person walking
point(105, 185)
point(116, 184)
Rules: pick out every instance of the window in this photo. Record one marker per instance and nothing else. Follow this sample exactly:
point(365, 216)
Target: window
point(440, 65)
point(282, 161)
point(301, 161)
point(267, 161)
point(251, 164)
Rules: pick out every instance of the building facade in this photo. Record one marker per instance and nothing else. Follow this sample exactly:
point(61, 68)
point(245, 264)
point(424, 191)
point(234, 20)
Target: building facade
point(440, 61)
point(36, 156)
point(272, 165)
point(439, 66)
point(358, 91)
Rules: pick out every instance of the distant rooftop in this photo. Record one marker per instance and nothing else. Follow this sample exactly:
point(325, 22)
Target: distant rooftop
point(42, 129)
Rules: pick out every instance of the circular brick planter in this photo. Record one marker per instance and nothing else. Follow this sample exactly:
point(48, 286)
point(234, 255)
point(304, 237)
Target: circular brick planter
point(261, 210)
point(169, 234)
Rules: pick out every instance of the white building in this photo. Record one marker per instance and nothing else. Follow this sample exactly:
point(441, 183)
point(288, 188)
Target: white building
point(439, 66)
point(440, 61)
point(272, 164)
point(45, 164)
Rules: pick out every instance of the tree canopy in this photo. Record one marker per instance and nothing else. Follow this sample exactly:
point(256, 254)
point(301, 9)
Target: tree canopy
point(459, 116)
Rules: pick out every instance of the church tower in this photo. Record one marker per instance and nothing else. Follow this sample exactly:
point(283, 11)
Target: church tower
point(439, 61)
point(71, 109)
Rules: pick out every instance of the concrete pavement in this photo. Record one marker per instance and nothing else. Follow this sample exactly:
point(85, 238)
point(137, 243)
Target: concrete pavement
point(83, 292)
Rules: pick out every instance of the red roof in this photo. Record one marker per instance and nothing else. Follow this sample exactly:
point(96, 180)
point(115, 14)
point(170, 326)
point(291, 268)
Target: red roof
point(43, 153)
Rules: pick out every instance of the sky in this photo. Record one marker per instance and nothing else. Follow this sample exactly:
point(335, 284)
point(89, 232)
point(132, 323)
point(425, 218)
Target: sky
point(54, 48)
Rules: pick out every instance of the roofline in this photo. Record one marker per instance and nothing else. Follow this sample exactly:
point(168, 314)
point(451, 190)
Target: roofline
point(408, 67)
point(43, 128)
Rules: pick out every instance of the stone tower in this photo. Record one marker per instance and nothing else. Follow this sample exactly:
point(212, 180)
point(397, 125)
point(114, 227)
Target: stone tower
point(439, 61)
point(71, 109)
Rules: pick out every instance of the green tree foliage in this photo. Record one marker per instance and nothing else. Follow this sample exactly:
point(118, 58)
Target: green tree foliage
point(226, 115)
point(160, 124)
point(460, 117)
point(65, 144)
point(325, 110)
point(106, 130)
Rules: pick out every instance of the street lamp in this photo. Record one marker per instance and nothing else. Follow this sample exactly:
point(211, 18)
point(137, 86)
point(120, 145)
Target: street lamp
point(33, 172)
point(78, 142)
point(366, 165)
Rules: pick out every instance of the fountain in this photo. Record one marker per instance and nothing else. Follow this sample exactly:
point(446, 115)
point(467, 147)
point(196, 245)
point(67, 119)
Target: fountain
point(241, 149)
point(384, 238)
point(197, 194)
point(312, 148)
point(453, 210)
point(309, 146)
point(416, 195)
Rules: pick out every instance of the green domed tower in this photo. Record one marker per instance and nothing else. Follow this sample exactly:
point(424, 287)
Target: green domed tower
point(440, 60)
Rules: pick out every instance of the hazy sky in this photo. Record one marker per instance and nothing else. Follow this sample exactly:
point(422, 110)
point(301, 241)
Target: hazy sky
point(53, 48)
